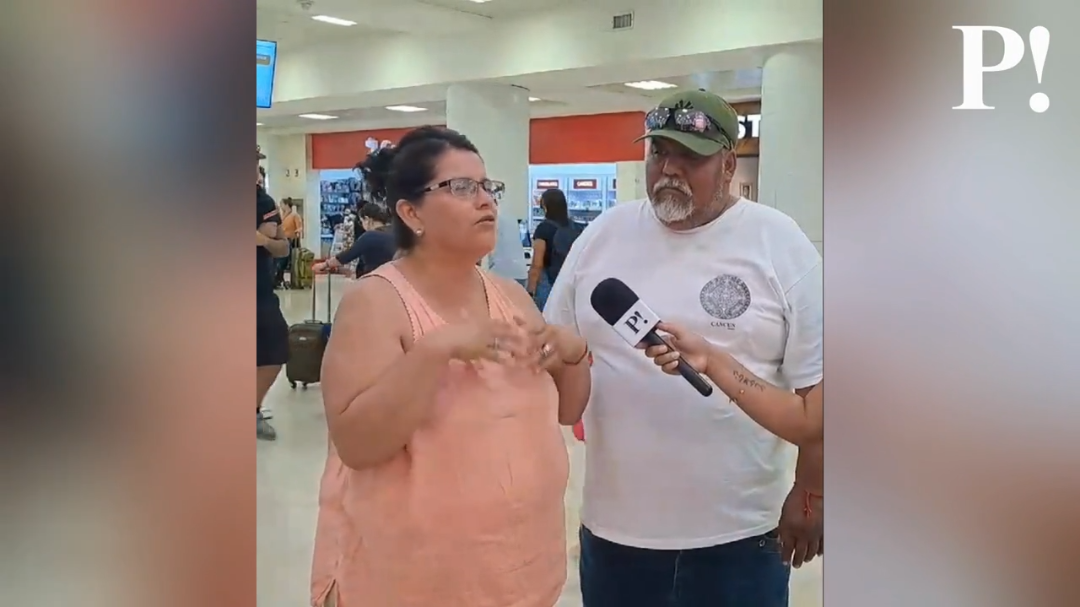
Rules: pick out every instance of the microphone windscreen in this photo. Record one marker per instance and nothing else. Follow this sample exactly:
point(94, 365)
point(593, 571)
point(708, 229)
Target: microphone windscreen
point(612, 299)
point(621, 308)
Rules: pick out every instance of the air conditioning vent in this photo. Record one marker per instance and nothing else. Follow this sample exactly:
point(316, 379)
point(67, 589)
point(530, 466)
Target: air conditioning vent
point(622, 22)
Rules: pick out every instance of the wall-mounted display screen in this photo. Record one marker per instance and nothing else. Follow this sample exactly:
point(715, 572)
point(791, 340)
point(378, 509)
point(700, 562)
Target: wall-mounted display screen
point(265, 63)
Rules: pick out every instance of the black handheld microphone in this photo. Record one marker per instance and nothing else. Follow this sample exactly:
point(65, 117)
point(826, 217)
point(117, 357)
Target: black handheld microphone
point(617, 304)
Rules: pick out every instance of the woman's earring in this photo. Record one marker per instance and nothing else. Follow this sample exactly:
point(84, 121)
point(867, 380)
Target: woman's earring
point(420, 231)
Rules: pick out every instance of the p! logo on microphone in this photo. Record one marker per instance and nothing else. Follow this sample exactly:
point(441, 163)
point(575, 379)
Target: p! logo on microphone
point(974, 63)
point(635, 319)
point(636, 322)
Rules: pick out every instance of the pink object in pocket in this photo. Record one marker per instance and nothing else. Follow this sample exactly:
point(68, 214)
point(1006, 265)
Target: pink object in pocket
point(579, 431)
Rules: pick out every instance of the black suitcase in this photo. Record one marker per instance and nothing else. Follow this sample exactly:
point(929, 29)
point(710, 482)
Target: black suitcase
point(307, 343)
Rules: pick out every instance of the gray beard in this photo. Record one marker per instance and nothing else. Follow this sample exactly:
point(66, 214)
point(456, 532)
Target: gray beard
point(669, 209)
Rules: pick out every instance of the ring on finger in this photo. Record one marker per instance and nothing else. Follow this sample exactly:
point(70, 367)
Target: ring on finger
point(495, 344)
point(546, 351)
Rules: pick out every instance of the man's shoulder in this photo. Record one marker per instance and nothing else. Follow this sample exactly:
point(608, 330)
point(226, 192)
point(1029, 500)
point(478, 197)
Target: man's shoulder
point(772, 219)
point(622, 211)
point(265, 207)
point(618, 215)
point(790, 250)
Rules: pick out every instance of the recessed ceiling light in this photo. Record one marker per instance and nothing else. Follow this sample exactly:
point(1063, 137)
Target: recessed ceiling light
point(650, 85)
point(479, 1)
point(405, 108)
point(258, 124)
point(318, 116)
point(534, 99)
point(333, 20)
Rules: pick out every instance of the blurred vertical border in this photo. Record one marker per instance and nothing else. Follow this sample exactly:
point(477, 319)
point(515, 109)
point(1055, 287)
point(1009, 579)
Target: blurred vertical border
point(952, 298)
point(126, 304)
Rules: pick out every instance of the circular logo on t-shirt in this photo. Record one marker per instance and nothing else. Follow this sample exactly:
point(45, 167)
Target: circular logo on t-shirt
point(725, 297)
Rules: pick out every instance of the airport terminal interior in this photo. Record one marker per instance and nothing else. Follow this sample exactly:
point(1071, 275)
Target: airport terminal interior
point(554, 93)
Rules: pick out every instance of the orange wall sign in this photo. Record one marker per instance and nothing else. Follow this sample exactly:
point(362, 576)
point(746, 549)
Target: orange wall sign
point(591, 138)
point(586, 139)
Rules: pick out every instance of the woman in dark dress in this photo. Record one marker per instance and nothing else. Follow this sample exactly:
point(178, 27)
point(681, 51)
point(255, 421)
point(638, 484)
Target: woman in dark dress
point(373, 248)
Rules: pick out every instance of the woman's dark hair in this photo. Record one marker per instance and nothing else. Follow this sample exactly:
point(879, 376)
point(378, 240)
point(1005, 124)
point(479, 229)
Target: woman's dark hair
point(375, 212)
point(554, 201)
point(402, 172)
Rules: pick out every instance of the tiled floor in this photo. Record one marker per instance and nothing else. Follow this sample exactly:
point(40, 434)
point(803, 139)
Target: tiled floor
point(288, 477)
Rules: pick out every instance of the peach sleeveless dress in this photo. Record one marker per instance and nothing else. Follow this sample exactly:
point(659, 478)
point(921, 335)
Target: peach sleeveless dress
point(471, 513)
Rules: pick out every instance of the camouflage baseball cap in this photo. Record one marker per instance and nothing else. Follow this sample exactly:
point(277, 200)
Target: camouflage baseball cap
point(698, 120)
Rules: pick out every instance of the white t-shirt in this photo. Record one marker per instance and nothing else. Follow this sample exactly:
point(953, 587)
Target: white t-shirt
point(667, 468)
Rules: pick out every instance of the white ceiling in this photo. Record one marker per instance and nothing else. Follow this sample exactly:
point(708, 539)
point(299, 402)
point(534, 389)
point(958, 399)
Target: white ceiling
point(742, 85)
point(501, 8)
point(562, 93)
point(289, 21)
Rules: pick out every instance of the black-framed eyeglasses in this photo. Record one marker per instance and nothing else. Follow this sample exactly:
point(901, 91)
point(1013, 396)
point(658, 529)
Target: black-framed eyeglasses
point(684, 120)
point(466, 187)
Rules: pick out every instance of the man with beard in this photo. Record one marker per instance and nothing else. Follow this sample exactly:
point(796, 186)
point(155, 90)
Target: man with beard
point(688, 501)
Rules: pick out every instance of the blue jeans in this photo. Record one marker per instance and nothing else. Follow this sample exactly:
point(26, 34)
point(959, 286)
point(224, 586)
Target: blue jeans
point(745, 573)
point(543, 289)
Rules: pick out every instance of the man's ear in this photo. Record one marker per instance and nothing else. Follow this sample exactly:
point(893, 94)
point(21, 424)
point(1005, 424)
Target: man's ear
point(729, 164)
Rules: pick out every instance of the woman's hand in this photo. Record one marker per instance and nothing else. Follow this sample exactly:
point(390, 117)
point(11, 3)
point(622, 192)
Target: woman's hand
point(488, 339)
point(553, 346)
point(691, 347)
point(327, 266)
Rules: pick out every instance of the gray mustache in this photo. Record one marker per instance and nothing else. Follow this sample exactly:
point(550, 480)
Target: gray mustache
point(672, 184)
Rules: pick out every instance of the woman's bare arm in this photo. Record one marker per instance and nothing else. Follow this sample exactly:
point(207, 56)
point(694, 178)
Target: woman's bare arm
point(537, 266)
point(376, 394)
point(788, 415)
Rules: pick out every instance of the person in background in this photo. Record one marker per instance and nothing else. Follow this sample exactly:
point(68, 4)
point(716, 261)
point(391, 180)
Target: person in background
point(444, 391)
point(551, 244)
point(508, 258)
point(292, 227)
point(373, 248)
point(262, 175)
point(291, 222)
point(358, 226)
point(687, 501)
point(271, 331)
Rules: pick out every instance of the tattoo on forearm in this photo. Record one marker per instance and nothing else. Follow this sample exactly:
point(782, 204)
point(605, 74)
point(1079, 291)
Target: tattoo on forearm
point(748, 381)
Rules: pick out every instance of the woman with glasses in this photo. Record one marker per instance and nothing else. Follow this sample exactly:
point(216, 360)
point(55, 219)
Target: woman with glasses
point(444, 392)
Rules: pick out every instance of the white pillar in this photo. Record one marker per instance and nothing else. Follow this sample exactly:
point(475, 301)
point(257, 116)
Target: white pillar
point(791, 139)
point(495, 117)
point(288, 175)
point(630, 181)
